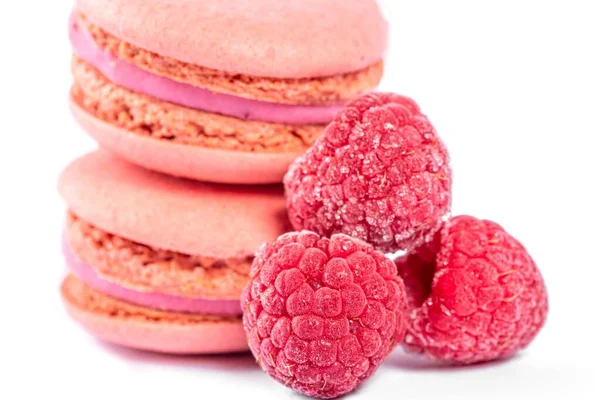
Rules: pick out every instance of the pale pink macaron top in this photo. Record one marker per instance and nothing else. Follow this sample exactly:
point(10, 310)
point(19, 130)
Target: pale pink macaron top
point(170, 213)
point(267, 38)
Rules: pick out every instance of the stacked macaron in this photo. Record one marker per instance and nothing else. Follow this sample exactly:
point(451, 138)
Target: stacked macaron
point(219, 91)
point(224, 93)
point(158, 262)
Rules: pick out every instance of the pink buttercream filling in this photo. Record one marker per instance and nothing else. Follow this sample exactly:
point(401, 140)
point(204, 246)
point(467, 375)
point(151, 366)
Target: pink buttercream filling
point(159, 301)
point(139, 80)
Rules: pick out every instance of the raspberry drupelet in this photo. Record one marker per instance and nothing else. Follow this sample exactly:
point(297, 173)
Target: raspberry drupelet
point(322, 314)
point(474, 294)
point(379, 173)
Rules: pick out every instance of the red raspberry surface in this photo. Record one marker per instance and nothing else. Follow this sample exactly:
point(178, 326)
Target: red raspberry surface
point(379, 173)
point(322, 314)
point(480, 298)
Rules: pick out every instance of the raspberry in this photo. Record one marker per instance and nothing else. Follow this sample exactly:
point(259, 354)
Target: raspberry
point(379, 173)
point(481, 297)
point(322, 314)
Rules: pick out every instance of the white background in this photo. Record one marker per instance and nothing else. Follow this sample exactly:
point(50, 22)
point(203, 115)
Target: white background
point(512, 87)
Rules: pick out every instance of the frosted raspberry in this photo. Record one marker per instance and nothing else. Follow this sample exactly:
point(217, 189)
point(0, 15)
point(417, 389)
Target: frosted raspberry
point(379, 173)
point(481, 297)
point(322, 314)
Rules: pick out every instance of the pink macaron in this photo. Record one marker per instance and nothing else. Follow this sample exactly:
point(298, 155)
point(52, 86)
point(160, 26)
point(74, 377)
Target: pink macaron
point(157, 262)
point(215, 90)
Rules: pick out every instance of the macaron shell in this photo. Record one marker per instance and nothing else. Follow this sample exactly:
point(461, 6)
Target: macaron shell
point(153, 334)
point(193, 162)
point(273, 38)
point(165, 212)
